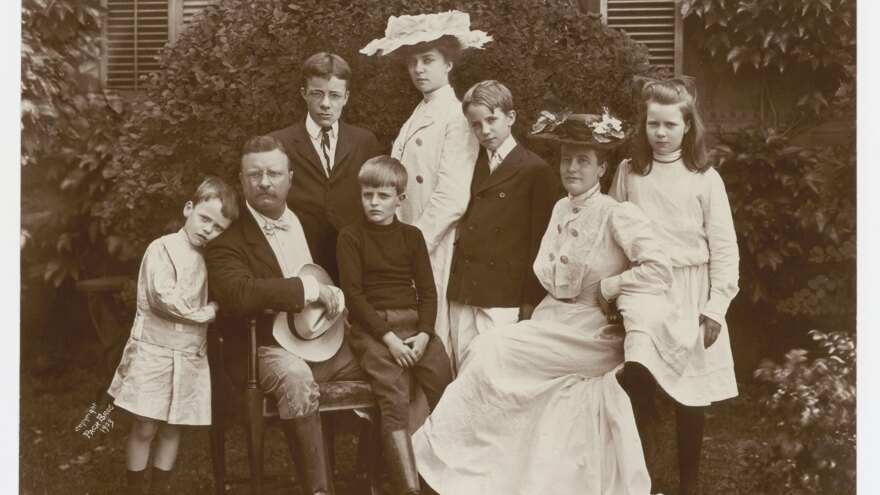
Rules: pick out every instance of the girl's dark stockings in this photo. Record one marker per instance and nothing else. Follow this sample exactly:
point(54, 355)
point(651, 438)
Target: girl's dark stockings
point(638, 383)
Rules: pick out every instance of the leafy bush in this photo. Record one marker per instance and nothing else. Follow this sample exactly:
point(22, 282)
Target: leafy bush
point(794, 211)
point(235, 73)
point(813, 411)
point(67, 139)
point(56, 37)
point(813, 41)
point(793, 203)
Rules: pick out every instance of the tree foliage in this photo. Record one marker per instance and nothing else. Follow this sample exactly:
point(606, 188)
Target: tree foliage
point(794, 210)
point(56, 37)
point(67, 139)
point(815, 40)
point(234, 73)
point(794, 203)
point(813, 411)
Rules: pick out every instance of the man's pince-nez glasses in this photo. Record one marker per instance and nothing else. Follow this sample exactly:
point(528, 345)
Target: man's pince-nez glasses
point(256, 176)
point(318, 95)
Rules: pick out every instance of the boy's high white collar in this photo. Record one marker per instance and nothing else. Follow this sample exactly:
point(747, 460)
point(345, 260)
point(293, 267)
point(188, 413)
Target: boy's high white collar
point(505, 148)
point(314, 129)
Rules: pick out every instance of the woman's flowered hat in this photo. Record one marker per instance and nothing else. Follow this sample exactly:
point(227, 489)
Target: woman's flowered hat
point(415, 29)
point(597, 131)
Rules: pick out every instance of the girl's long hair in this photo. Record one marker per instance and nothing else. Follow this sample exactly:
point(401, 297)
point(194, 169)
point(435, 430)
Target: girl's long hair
point(679, 91)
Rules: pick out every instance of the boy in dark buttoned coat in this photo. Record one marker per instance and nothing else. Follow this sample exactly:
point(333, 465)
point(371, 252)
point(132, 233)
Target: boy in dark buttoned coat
point(512, 195)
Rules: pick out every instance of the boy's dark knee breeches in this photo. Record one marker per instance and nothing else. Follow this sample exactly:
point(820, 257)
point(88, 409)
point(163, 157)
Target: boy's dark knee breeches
point(391, 383)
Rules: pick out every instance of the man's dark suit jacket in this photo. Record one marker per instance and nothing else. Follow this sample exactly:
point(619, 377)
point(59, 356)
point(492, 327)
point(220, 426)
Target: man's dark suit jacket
point(244, 278)
point(501, 231)
point(326, 205)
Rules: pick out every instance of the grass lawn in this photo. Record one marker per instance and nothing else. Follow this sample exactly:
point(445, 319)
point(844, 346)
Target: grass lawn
point(59, 383)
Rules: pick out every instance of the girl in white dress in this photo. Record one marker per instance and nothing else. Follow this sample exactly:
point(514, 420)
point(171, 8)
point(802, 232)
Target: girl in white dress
point(163, 378)
point(435, 144)
point(537, 408)
point(670, 180)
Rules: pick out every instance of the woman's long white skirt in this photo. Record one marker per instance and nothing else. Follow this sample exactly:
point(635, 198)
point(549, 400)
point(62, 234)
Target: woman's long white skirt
point(536, 410)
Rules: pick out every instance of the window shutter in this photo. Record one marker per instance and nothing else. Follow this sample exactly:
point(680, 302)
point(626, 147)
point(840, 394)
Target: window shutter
point(654, 23)
point(182, 13)
point(136, 30)
point(193, 7)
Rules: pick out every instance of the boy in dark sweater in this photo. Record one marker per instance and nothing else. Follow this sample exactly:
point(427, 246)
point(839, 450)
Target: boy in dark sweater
point(386, 276)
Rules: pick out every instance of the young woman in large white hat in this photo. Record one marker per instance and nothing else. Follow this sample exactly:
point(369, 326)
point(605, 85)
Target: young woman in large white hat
point(435, 144)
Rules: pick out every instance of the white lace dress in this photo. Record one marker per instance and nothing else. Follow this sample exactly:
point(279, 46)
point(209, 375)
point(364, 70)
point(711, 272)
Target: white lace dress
point(536, 408)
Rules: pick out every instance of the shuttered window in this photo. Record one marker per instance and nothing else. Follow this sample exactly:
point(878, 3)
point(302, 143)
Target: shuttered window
point(183, 12)
point(193, 7)
point(654, 23)
point(136, 31)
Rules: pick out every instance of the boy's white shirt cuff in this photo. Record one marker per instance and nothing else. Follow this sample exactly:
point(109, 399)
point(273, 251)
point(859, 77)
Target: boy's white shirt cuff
point(610, 287)
point(311, 289)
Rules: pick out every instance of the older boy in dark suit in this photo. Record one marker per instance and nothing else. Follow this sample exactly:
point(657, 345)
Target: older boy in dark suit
point(326, 155)
point(512, 195)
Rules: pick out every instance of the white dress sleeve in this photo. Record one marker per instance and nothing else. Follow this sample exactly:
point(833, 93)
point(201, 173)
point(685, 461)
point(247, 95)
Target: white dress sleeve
point(650, 270)
point(450, 198)
point(723, 250)
point(168, 296)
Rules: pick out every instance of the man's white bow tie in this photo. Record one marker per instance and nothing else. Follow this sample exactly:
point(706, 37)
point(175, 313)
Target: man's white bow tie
point(271, 225)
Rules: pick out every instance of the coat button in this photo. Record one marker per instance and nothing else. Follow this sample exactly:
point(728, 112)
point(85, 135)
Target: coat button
point(574, 233)
point(576, 209)
point(564, 259)
point(467, 260)
point(478, 196)
point(492, 263)
point(552, 257)
point(559, 228)
point(419, 179)
point(471, 227)
point(418, 141)
point(502, 195)
point(497, 229)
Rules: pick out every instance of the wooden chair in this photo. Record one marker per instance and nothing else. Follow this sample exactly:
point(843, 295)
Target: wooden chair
point(246, 404)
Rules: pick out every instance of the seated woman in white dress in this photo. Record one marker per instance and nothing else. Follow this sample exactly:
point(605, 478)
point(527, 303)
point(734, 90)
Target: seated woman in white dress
point(537, 408)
